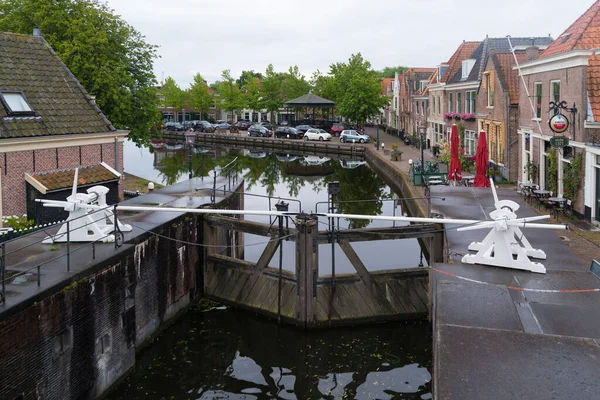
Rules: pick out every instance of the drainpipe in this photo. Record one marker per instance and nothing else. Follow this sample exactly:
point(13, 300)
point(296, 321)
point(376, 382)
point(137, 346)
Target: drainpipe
point(116, 154)
point(508, 134)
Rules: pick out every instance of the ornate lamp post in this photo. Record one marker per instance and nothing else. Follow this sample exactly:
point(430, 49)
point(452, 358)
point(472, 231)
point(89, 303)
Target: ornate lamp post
point(190, 139)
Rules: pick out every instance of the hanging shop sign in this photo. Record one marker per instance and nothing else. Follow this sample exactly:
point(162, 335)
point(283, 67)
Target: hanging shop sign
point(559, 123)
point(559, 141)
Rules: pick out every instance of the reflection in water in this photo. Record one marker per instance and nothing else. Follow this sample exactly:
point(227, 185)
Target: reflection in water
point(229, 354)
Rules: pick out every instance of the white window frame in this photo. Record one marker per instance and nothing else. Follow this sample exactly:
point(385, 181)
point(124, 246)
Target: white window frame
point(458, 102)
point(470, 142)
point(552, 94)
point(450, 105)
point(537, 117)
point(470, 102)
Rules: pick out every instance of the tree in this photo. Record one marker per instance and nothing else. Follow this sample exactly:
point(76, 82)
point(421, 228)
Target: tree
point(357, 89)
point(294, 84)
point(253, 95)
point(246, 77)
point(230, 94)
point(173, 95)
point(390, 72)
point(272, 92)
point(200, 97)
point(109, 57)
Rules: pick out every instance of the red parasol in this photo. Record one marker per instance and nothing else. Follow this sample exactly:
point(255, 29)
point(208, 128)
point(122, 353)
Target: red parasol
point(454, 173)
point(481, 161)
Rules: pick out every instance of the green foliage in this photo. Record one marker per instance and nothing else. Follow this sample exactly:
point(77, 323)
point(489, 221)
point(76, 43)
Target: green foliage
point(356, 89)
point(17, 223)
point(199, 96)
point(253, 96)
point(231, 99)
point(272, 90)
point(246, 77)
point(445, 155)
point(390, 72)
point(531, 169)
point(572, 176)
point(174, 96)
point(553, 171)
point(294, 84)
point(108, 56)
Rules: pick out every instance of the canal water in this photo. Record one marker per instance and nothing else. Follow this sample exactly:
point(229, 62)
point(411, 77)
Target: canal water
point(223, 353)
point(301, 181)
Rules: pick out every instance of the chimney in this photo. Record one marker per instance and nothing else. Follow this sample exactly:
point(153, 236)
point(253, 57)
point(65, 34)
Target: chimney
point(37, 32)
point(531, 53)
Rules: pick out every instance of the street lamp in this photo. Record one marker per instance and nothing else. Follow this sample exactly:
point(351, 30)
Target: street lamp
point(190, 139)
point(421, 131)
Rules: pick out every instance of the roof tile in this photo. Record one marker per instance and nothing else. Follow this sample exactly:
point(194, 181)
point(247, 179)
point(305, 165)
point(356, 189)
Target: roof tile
point(29, 64)
point(63, 179)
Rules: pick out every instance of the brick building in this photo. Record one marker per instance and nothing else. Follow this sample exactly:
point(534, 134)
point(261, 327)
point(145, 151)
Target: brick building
point(48, 124)
point(568, 70)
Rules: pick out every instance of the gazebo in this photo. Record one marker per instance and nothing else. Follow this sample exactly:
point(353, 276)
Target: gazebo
point(309, 100)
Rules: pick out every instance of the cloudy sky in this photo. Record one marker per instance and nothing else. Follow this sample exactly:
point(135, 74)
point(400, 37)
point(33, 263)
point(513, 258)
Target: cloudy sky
point(208, 36)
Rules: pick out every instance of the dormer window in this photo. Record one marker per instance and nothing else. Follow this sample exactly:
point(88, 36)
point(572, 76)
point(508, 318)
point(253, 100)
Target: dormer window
point(441, 71)
point(15, 104)
point(467, 66)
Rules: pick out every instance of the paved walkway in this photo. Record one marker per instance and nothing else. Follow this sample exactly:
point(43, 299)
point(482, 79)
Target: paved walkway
point(502, 333)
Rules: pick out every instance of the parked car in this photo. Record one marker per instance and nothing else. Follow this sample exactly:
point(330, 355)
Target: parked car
point(269, 125)
point(259, 130)
point(223, 125)
point(288, 132)
point(316, 134)
point(174, 126)
point(337, 129)
point(205, 126)
point(303, 128)
point(243, 125)
point(352, 136)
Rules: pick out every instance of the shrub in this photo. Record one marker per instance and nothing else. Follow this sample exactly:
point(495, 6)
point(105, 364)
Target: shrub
point(17, 223)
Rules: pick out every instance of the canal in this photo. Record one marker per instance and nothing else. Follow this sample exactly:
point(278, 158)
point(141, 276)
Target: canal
point(223, 353)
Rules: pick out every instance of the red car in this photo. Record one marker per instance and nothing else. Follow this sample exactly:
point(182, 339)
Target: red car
point(336, 129)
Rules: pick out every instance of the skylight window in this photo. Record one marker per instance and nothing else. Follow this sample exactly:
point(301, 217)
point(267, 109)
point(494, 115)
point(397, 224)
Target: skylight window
point(15, 104)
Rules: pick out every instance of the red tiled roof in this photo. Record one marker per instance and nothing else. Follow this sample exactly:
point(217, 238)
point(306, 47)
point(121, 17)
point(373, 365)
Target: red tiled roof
point(385, 84)
point(462, 53)
point(593, 85)
point(507, 61)
point(583, 34)
point(64, 179)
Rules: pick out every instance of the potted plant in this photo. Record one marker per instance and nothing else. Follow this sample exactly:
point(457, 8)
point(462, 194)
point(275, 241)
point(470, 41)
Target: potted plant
point(396, 154)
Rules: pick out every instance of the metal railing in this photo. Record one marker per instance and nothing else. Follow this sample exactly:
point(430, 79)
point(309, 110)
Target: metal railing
point(229, 171)
point(4, 253)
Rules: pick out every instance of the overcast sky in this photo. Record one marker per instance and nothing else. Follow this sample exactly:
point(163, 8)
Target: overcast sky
point(208, 36)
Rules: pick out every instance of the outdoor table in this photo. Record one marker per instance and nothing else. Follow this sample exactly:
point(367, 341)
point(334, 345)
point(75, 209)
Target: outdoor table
point(557, 199)
point(542, 192)
point(467, 180)
point(436, 182)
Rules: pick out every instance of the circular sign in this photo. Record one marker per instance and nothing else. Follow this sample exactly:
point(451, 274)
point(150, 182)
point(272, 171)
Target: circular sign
point(559, 123)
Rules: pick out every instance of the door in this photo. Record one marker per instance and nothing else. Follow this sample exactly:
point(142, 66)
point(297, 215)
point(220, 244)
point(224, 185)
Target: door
point(597, 215)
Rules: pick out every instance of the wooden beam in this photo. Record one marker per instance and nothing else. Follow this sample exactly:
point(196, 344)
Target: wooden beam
point(356, 263)
point(243, 225)
point(266, 256)
point(370, 234)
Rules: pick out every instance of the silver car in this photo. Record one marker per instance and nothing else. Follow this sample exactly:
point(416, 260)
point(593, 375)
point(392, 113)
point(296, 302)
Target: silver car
point(352, 136)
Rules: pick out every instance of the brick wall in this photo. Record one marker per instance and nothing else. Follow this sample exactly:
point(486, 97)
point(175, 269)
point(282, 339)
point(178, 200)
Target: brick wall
point(14, 165)
point(78, 340)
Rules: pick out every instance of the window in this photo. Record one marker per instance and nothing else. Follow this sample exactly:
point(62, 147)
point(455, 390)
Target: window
point(417, 104)
point(15, 103)
point(450, 105)
point(458, 102)
point(537, 95)
point(403, 105)
point(555, 91)
point(423, 107)
point(470, 142)
point(489, 87)
point(470, 102)
point(439, 108)
point(467, 66)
